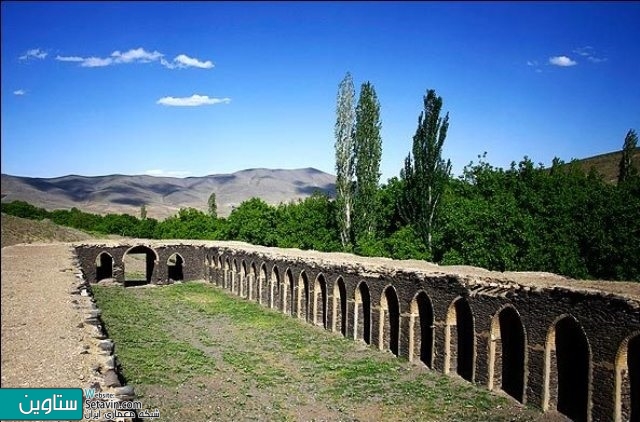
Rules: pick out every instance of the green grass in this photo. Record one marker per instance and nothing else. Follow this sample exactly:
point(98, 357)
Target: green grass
point(196, 332)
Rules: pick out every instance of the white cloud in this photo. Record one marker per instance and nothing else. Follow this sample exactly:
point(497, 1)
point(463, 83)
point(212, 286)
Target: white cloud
point(192, 101)
point(562, 61)
point(182, 61)
point(96, 62)
point(34, 53)
point(532, 63)
point(589, 53)
point(136, 55)
point(167, 173)
point(19, 92)
point(187, 61)
point(69, 59)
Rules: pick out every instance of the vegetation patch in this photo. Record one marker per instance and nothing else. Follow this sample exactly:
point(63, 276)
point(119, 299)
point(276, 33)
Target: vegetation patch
point(198, 353)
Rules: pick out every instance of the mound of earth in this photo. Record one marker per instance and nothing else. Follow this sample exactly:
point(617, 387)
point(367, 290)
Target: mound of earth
point(21, 230)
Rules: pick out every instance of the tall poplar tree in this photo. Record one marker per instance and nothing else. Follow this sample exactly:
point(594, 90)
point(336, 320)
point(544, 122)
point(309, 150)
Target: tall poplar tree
point(426, 173)
point(344, 133)
point(368, 152)
point(626, 166)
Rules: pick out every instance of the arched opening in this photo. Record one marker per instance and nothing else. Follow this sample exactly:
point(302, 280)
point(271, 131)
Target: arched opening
point(567, 369)
point(175, 270)
point(320, 301)
point(139, 262)
point(253, 276)
point(389, 321)
point(362, 313)
point(263, 288)
point(303, 297)
point(507, 350)
point(340, 307)
point(226, 279)
point(421, 339)
point(242, 282)
point(235, 272)
point(627, 392)
point(104, 266)
point(287, 293)
point(274, 288)
point(460, 340)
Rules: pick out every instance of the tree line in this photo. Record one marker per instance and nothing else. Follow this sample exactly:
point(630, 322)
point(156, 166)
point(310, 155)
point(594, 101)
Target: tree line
point(559, 219)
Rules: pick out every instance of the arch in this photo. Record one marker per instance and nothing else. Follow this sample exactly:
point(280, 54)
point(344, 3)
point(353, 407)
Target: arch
point(320, 301)
point(303, 296)
point(234, 275)
point(138, 264)
point(253, 277)
point(421, 338)
point(274, 288)
point(226, 279)
point(242, 281)
point(627, 387)
point(460, 340)
point(507, 353)
point(389, 324)
point(104, 266)
point(263, 288)
point(287, 293)
point(362, 313)
point(340, 307)
point(567, 369)
point(175, 269)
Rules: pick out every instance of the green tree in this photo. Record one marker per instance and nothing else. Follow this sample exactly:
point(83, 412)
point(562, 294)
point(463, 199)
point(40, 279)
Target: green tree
point(626, 166)
point(426, 173)
point(254, 221)
point(213, 207)
point(368, 152)
point(344, 145)
point(143, 212)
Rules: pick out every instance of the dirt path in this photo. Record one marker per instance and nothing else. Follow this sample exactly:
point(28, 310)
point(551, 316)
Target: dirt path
point(41, 333)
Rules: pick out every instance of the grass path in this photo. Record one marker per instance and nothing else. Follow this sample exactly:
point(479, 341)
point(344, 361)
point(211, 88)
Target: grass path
point(198, 353)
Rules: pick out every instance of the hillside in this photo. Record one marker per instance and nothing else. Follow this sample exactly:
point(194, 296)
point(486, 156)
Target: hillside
point(164, 196)
point(608, 164)
point(21, 230)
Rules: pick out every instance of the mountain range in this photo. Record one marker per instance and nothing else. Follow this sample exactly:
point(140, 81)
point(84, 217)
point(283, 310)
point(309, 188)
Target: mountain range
point(164, 196)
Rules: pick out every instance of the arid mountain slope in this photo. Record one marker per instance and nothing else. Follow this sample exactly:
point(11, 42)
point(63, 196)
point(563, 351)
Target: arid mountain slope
point(164, 196)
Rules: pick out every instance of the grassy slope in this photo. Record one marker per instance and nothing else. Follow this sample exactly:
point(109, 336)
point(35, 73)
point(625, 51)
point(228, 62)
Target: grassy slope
point(197, 353)
point(21, 230)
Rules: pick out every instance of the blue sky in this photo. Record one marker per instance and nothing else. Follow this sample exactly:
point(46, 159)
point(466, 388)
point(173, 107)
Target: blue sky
point(102, 88)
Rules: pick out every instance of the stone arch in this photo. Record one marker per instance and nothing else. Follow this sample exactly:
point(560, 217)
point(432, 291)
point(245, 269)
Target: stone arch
point(459, 353)
point(320, 301)
point(339, 307)
point(362, 313)
point(175, 270)
point(389, 323)
point(274, 288)
point(226, 279)
point(508, 353)
point(627, 388)
point(287, 293)
point(242, 281)
point(303, 296)
point(263, 288)
point(138, 264)
point(421, 338)
point(567, 380)
point(104, 266)
point(251, 281)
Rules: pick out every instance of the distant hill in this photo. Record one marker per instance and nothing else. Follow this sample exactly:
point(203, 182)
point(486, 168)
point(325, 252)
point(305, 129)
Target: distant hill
point(608, 164)
point(164, 196)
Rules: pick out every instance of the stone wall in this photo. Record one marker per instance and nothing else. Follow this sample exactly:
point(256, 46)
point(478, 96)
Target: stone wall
point(553, 347)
